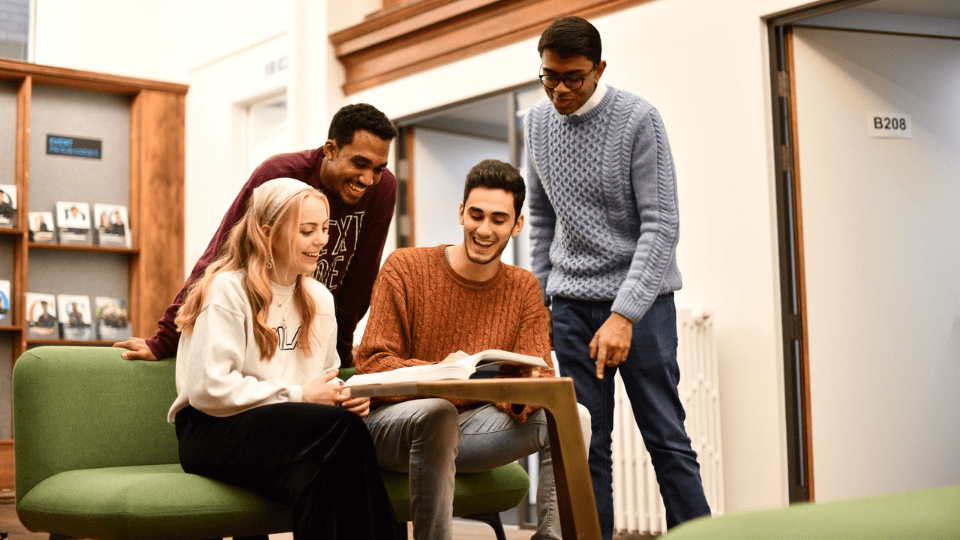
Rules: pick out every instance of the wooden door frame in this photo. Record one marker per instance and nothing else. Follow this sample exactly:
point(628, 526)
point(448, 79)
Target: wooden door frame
point(796, 361)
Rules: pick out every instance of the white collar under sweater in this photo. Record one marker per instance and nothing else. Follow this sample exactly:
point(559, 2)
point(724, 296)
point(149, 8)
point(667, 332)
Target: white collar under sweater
point(592, 102)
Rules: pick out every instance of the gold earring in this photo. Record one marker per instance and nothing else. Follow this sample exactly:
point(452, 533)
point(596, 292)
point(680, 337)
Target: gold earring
point(269, 263)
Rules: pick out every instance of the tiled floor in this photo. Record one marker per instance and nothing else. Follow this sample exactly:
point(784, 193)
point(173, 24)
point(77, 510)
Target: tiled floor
point(462, 530)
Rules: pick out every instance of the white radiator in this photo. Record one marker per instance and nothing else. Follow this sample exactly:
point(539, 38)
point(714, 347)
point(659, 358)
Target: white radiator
point(638, 507)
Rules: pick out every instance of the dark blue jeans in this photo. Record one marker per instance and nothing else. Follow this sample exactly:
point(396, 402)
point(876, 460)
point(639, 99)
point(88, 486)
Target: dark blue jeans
point(650, 376)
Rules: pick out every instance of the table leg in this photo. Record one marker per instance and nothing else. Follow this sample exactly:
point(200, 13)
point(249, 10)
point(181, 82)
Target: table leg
point(578, 510)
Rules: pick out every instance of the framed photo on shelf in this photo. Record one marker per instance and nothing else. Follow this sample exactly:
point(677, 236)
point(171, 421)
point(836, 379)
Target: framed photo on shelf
point(113, 320)
point(5, 305)
point(113, 227)
point(73, 222)
point(41, 227)
point(8, 205)
point(42, 316)
point(75, 321)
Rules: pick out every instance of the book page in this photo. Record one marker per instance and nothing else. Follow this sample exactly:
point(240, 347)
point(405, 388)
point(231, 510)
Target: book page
point(498, 356)
point(459, 369)
point(432, 372)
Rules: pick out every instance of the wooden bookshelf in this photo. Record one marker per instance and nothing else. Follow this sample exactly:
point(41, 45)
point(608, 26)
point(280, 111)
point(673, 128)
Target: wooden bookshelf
point(152, 269)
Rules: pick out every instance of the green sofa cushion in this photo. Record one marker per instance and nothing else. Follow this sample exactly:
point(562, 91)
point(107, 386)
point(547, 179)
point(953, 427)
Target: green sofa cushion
point(162, 501)
point(147, 502)
point(929, 514)
point(474, 493)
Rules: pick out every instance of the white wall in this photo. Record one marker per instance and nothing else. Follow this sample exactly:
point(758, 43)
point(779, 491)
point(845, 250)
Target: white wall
point(135, 39)
point(704, 65)
point(216, 167)
point(346, 13)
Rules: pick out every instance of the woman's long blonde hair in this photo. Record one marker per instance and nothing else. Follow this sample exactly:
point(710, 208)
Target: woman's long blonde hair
point(248, 248)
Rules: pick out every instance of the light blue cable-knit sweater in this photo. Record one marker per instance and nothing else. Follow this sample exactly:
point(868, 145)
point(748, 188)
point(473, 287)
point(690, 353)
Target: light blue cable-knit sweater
point(603, 203)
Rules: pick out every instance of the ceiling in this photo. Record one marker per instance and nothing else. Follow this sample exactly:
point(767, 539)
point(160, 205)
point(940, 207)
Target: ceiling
point(940, 9)
point(939, 18)
point(486, 118)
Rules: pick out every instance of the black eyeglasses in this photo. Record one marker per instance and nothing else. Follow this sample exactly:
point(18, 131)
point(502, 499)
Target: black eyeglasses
point(572, 83)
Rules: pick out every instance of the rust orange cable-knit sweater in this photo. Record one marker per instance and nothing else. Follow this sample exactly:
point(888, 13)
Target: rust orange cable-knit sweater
point(422, 310)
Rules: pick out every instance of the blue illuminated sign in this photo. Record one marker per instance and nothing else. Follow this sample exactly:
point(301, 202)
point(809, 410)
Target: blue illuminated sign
point(74, 146)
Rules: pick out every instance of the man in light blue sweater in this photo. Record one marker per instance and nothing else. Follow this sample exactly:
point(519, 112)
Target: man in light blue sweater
point(605, 224)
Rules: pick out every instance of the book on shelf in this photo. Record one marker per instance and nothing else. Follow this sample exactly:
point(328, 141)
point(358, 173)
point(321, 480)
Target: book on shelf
point(75, 321)
point(41, 227)
point(461, 369)
point(113, 227)
point(42, 316)
point(8, 205)
point(113, 319)
point(5, 305)
point(73, 222)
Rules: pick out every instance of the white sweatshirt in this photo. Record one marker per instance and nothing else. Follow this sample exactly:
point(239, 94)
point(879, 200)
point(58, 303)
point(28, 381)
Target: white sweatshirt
point(219, 370)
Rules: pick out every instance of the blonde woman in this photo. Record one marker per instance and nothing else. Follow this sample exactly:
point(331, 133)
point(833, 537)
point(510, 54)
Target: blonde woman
point(258, 403)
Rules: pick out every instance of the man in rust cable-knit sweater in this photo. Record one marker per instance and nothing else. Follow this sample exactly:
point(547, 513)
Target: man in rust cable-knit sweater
point(442, 303)
point(350, 169)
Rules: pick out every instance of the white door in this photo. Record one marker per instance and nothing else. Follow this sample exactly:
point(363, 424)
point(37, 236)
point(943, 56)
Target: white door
point(268, 131)
point(881, 238)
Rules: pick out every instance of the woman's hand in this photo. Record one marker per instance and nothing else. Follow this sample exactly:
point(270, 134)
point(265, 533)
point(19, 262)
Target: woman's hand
point(359, 406)
point(321, 391)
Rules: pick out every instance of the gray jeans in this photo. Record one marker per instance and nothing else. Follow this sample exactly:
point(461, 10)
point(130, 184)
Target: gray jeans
point(428, 439)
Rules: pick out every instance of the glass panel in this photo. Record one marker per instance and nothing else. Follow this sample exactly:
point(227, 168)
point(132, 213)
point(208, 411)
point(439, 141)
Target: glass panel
point(14, 28)
point(524, 99)
point(8, 138)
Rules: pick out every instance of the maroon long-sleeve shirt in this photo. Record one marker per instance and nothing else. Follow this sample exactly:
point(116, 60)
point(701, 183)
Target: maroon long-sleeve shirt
point(348, 265)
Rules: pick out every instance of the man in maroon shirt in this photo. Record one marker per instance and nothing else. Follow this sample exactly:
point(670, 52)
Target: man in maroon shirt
point(350, 168)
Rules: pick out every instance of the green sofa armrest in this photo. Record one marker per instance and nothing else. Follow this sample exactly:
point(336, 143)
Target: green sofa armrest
point(929, 514)
point(147, 502)
point(87, 408)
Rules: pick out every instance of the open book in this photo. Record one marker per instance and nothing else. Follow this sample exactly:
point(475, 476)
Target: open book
point(460, 369)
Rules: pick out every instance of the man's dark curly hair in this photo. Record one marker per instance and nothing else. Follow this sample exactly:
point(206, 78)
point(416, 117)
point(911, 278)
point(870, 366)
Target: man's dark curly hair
point(351, 118)
point(495, 174)
point(572, 36)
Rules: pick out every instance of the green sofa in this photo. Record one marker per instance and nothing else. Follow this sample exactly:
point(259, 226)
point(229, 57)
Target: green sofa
point(929, 514)
point(96, 458)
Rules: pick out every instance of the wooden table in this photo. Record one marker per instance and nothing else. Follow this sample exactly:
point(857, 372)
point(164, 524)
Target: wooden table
point(578, 511)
